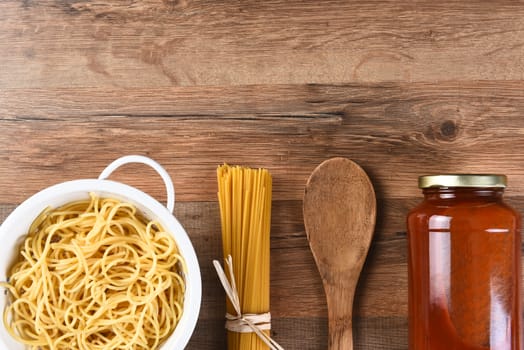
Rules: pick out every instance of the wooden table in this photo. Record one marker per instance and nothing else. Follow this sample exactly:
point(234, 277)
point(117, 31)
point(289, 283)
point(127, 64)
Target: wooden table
point(403, 88)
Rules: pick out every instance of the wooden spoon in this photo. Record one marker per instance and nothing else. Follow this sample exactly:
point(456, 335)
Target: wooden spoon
point(339, 217)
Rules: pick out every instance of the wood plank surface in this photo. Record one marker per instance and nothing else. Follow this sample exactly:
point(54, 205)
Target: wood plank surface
point(403, 88)
point(51, 43)
point(447, 127)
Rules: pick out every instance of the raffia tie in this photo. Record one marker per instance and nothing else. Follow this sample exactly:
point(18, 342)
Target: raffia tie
point(243, 323)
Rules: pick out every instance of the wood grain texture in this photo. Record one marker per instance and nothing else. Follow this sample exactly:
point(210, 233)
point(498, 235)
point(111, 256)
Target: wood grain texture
point(446, 127)
point(54, 43)
point(402, 88)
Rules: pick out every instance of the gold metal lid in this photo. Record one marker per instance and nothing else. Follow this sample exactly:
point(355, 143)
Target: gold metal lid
point(462, 180)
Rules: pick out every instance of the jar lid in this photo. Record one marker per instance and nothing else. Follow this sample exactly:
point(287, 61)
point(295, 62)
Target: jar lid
point(462, 180)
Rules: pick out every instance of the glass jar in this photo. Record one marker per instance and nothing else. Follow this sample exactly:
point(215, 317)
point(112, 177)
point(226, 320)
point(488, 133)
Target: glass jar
point(464, 266)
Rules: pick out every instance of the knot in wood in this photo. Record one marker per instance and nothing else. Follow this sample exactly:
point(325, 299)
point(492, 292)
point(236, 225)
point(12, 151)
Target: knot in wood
point(448, 130)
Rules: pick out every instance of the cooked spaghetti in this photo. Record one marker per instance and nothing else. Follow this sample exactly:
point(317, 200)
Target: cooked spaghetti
point(245, 207)
point(95, 274)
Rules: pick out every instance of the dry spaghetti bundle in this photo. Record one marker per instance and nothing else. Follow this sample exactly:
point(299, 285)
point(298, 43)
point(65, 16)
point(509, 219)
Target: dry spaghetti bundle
point(245, 207)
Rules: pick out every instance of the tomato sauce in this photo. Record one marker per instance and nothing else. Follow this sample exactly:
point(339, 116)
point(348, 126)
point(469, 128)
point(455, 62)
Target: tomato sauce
point(464, 266)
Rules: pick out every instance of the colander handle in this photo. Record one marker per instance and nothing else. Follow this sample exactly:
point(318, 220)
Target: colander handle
point(147, 161)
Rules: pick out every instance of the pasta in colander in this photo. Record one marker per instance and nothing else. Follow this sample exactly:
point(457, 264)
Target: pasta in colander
point(95, 274)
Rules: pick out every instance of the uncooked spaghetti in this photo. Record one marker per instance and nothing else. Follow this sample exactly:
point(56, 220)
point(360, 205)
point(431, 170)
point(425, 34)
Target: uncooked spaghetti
point(245, 207)
point(95, 274)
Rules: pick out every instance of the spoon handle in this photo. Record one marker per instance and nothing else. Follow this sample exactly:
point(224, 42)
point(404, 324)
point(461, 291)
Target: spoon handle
point(340, 292)
point(340, 332)
point(341, 338)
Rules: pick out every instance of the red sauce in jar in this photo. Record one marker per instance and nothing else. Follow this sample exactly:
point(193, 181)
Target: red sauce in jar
point(464, 266)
